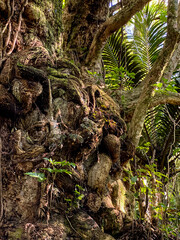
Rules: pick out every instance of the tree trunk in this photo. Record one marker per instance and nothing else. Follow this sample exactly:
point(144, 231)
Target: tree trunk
point(52, 109)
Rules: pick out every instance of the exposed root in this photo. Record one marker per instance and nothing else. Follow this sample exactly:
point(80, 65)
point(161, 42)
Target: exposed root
point(18, 29)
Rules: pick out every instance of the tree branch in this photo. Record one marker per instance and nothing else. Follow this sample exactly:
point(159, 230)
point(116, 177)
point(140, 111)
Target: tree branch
point(111, 25)
point(115, 8)
point(173, 62)
point(165, 98)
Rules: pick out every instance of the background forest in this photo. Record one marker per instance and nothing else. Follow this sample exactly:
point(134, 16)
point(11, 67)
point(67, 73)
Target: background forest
point(89, 119)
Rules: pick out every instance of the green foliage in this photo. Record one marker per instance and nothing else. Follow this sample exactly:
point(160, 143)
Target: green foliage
point(122, 68)
point(161, 130)
point(52, 169)
point(149, 179)
point(134, 179)
point(114, 78)
point(40, 176)
point(127, 58)
point(144, 147)
point(77, 198)
point(149, 34)
point(169, 215)
point(63, 4)
point(166, 210)
point(96, 75)
point(170, 86)
point(55, 168)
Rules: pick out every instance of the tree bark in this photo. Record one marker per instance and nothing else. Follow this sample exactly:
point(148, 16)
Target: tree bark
point(51, 108)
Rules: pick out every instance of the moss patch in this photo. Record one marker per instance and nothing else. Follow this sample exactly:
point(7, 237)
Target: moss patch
point(46, 15)
point(15, 235)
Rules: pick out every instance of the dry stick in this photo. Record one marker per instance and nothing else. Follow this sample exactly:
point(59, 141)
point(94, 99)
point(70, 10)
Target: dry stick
point(19, 27)
point(1, 197)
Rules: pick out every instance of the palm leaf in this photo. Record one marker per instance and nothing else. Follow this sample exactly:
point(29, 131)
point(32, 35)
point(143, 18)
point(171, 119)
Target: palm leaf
point(118, 53)
point(149, 35)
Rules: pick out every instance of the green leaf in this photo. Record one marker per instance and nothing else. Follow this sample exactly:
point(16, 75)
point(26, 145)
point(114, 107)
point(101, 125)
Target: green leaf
point(133, 179)
point(159, 182)
point(81, 197)
point(68, 200)
point(40, 176)
point(136, 195)
point(76, 192)
point(80, 188)
point(49, 170)
point(143, 189)
point(158, 85)
point(63, 171)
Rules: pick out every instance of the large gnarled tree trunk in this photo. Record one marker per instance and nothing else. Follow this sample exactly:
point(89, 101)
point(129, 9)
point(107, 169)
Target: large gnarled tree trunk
point(51, 107)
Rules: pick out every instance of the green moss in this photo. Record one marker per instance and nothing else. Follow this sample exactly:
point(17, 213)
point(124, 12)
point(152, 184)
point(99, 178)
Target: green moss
point(47, 15)
point(72, 65)
point(16, 235)
point(38, 14)
point(62, 81)
point(58, 15)
point(56, 73)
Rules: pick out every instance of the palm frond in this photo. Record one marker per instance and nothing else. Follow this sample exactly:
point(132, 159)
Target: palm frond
point(118, 53)
point(149, 35)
